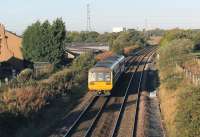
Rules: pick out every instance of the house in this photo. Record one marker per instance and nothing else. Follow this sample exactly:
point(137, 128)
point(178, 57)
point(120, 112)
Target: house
point(10, 50)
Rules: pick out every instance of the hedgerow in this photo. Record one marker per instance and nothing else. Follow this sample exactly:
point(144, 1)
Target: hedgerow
point(182, 100)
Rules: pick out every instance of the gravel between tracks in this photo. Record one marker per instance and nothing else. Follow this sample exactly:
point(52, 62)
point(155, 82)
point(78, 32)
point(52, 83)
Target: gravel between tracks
point(108, 118)
point(69, 119)
point(88, 118)
point(149, 120)
point(126, 126)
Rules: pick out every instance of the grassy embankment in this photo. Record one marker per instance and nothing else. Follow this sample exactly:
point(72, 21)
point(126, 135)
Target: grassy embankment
point(179, 98)
point(34, 106)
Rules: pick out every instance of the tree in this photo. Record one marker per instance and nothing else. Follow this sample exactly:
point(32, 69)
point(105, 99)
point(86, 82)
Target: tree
point(31, 42)
point(82, 36)
point(45, 42)
point(125, 39)
point(56, 47)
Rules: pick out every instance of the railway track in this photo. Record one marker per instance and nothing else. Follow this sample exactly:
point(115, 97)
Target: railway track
point(104, 113)
point(113, 119)
point(127, 121)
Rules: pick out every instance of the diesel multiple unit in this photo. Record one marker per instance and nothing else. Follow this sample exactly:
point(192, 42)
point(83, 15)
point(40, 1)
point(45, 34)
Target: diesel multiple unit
point(103, 76)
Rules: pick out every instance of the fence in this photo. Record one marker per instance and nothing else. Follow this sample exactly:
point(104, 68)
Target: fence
point(197, 60)
point(194, 78)
point(41, 68)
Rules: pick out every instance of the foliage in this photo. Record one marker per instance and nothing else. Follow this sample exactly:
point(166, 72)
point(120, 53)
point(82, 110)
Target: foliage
point(25, 75)
point(29, 99)
point(171, 35)
point(188, 117)
point(116, 41)
point(82, 36)
point(45, 42)
point(156, 32)
point(125, 39)
point(81, 65)
point(175, 50)
point(25, 100)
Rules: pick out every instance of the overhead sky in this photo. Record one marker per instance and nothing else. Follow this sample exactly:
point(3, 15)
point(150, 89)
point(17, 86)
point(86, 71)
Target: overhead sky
point(16, 15)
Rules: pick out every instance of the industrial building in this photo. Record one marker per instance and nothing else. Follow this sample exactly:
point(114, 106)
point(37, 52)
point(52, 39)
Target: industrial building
point(119, 29)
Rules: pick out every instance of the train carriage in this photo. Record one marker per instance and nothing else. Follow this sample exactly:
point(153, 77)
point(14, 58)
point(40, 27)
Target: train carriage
point(103, 76)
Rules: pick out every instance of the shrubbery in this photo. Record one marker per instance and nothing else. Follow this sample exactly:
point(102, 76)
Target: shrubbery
point(25, 75)
point(188, 116)
point(175, 50)
point(28, 99)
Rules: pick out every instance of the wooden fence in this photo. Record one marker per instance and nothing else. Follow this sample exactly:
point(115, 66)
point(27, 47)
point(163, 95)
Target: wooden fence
point(194, 78)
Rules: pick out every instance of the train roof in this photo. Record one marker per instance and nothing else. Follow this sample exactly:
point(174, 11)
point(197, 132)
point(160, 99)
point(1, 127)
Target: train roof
point(110, 62)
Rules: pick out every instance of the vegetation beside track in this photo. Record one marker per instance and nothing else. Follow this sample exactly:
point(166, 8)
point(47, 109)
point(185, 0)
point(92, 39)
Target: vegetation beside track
point(179, 98)
point(22, 106)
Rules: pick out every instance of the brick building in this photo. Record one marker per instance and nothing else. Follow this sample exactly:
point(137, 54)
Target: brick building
point(10, 50)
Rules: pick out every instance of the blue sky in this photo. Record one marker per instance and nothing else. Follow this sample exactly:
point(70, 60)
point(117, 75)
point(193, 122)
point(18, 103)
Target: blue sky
point(16, 15)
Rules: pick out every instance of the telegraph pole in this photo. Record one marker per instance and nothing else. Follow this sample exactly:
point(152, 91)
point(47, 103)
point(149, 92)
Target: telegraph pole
point(146, 28)
point(88, 27)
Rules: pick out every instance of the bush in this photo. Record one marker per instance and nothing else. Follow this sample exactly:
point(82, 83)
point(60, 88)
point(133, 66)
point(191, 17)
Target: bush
point(25, 100)
point(25, 75)
point(188, 116)
point(175, 52)
point(58, 83)
point(83, 62)
point(30, 98)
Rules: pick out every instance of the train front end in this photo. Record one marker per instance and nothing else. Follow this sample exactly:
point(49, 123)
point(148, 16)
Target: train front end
point(100, 81)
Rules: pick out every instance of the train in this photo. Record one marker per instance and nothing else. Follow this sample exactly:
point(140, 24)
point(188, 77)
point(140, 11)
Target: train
point(104, 75)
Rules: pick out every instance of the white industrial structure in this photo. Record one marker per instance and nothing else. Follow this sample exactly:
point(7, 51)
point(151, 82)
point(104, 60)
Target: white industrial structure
point(119, 29)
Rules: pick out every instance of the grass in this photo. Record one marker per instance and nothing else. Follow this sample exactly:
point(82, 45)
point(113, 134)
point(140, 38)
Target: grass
point(52, 115)
point(179, 98)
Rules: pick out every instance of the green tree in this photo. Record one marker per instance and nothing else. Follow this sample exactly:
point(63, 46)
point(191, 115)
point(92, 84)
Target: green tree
point(45, 42)
point(125, 39)
point(31, 42)
point(56, 47)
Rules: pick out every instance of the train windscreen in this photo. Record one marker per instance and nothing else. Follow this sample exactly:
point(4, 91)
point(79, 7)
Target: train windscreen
point(99, 76)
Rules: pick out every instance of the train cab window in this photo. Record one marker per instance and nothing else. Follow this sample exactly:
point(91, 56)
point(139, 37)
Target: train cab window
point(100, 76)
point(107, 76)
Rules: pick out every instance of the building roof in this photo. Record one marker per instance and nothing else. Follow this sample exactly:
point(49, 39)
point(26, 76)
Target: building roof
point(13, 33)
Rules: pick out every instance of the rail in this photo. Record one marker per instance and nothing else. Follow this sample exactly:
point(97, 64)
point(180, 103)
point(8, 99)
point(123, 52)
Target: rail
point(117, 124)
point(138, 99)
point(100, 110)
point(80, 116)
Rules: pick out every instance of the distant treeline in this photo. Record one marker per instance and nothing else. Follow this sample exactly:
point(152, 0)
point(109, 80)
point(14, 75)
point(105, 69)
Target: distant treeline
point(116, 41)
